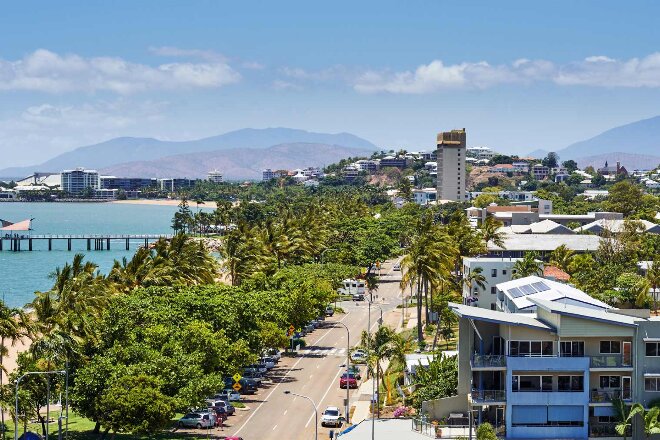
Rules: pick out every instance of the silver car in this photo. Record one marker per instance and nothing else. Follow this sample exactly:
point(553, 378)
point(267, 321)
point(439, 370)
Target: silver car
point(197, 420)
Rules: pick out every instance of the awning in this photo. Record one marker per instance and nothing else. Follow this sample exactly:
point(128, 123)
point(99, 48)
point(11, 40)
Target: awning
point(651, 339)
point(651, 374)
point(24, 225)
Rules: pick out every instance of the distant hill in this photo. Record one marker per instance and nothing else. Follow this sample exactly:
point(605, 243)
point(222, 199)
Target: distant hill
point(237, 163)
point(626, 143)
point(128, 149)
point(630, 161)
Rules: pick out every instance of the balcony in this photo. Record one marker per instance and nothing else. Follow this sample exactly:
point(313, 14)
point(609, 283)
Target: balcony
point(608, 396)
point(488, 396)
point(488, 361)
point(605, 429)
point(610, 361)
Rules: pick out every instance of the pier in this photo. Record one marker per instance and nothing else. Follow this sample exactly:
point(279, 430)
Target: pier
point(96, 242)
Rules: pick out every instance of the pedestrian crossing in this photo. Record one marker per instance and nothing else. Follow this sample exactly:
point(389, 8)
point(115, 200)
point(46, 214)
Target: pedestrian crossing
point(323, 352)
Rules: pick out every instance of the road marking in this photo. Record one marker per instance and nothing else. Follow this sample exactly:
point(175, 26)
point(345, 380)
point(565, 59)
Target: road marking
point(334, 381)
point(274, 427)
point(286, 411)
point(279, 383)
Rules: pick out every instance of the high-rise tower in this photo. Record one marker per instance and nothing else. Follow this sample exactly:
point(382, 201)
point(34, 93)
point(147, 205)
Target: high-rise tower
point(451, 165)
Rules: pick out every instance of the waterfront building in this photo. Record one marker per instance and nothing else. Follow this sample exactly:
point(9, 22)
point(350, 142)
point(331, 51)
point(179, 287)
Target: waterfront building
point(79, 179)
point(554, 373)
point(171, 184)
point(215, 176)
point(127, 183)
point(52, 180)
point(451, 165)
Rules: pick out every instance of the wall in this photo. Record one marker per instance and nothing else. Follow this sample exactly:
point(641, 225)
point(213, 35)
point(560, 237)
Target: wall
point(582, 327)
point(440, 408)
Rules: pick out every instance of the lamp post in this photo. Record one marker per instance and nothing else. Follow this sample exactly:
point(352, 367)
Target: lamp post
point(374, 400)
point(348, 363)
point(44, 373)
point(316, 412)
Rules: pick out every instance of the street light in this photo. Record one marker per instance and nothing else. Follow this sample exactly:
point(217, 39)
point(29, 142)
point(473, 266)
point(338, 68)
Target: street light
point(374, 400)
point(316, 412)
point(45, 373)
point(348, 362)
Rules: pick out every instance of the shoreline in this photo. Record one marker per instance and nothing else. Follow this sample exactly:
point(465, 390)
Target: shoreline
point(163, 202)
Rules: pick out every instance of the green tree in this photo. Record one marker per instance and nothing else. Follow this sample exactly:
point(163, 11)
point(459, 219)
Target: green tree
point(527, 266)
point(490, 232)
point(625, 197)
point(551, 160)
point(439, 379)
point(475, 278)
point(562, 257)
point(485, 431)
point(570, 166)
point(653, 279)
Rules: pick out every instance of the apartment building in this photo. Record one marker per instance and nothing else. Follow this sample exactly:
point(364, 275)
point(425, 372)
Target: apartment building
point(424, 196)
point(79, 179)
point(554, 373)
point(127, 183)
point(480, 153)
point(451, 165)
point(215, 176)
point(370, 166)
point(540, 172)
point(495, 271)
point(175, 184)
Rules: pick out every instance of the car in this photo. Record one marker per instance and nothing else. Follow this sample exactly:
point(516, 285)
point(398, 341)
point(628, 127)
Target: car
point(269, 362)
point(220, 412)
point(217, 403)
point(308, 328)
point(348, 380)
point(329, 311)
point(396, 267)
point(331, 417)
point(359, 356)
point(275, 354)
point(232, 395)
point(197, 420)
point(355, 370)
point(248, 385)
point(256, 368)
point(358, 297)
point(253, 376)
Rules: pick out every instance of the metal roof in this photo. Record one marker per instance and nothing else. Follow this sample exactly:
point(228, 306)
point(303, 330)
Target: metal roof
point(547, 242)
point(521, 291)
point(517, 319)
point(587, 313)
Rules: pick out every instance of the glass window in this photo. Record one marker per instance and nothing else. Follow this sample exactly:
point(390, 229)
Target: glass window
point(493, 273)
point(610, 347)
point(514, 383)
point(546, 349)
point(535, 347)
point(652, 349)
point(513, 348)
point(493, 290)
point(530, 383)
point(564, 383)
point(577, 383)
point(524, 348)
point(610, 381)
point(651, 384)
point(546, 383)
point(503, 271)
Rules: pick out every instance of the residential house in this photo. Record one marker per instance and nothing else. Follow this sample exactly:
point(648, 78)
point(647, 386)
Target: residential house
point(494, 271)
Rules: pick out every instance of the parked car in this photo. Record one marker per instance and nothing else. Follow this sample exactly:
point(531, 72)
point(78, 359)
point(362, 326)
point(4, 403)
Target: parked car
point(197, 420)
point(220, 412)
point(228, 407)
point(358, 297)
point(348, 380)
point(256, 368)
point(396, 266)
point(329, 311)
point(254, 377)
point(331, 417)
point(275, 354)
point(359, 356)
point(232, 395)
point(268, 362)
point(355, 370)
point(248, 385)
point(308, 328)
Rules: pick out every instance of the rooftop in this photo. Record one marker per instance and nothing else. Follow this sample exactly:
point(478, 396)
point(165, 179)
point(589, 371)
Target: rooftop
point(517, 319)
point(586, 313)
point(547, 242)
point(523, 291)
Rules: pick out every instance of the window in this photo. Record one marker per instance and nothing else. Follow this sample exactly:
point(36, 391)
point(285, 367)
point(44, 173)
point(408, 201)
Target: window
point(570, 383)
point(610, 382)
point(653, 349)
point(493, 290)
point(610, 347)
point(531, 383)
point(503, 271)
point(652, 384)
point(493, 273)
point(530, 348)
point(572, 348)
point(492, 306)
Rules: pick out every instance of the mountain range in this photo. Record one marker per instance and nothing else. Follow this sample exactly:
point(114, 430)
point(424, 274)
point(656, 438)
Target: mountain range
point(106, 156)
point(635, 145)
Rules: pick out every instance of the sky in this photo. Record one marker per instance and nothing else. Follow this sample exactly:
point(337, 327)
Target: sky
point(518, 75)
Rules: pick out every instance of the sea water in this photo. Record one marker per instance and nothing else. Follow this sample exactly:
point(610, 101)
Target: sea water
point(23, 273)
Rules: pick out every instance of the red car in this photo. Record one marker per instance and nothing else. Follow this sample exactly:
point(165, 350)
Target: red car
point(348, 380)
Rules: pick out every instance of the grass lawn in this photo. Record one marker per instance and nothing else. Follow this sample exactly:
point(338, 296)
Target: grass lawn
point(81, 428)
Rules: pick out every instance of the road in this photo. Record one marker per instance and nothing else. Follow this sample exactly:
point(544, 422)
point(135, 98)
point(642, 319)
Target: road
point(314, 373)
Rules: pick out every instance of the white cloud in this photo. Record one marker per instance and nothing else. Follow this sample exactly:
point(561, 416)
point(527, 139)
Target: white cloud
point(593, 71)
point(176, 52)
point(46, 71)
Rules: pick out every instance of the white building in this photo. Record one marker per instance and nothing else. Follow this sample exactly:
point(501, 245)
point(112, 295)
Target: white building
point(7, 194)
point(424, 196)
point(480, 153)
point(495, 271)
point(370, 166)
point(77, 180)
point(451, 165)
point(215, 176)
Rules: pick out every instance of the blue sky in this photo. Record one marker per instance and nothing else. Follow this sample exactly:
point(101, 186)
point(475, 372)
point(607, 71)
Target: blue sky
point(517, 75)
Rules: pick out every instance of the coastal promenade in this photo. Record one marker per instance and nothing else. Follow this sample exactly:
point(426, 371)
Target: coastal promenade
point(97, 242)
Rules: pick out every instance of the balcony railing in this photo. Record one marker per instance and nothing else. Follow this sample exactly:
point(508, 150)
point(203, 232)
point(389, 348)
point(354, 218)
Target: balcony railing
point(598, 396)
point(605, 429)
point(488, 360)
point(488, 395)
point(610, 361)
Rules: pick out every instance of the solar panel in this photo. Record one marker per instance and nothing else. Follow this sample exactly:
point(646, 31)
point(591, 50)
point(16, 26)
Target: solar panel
point(515, 292)
point(529, 290)
point(540, 286)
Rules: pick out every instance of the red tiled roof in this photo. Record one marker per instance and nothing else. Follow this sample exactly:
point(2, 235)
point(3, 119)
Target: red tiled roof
point(555, 273)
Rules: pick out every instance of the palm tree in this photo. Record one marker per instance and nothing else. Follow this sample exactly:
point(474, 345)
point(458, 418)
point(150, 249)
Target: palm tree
point(490, 232)
point(653, 278)
point(625, 417)
point(651, 422)
point(562, 257)
point(475, 277)
point(13, 326)
point(527, 266)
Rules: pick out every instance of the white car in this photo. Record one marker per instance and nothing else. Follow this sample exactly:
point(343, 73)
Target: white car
point(359, 356)
point(275, 354)
point(232, 396)
point(331, 417)
point(269, 362)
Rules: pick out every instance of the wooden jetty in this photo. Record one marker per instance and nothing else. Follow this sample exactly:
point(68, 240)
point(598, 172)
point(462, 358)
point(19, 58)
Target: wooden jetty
point(97, 242)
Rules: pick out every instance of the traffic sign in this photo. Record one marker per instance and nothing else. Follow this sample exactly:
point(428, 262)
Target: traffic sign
point(237, 377)
point(291, 328)
point(236, 386)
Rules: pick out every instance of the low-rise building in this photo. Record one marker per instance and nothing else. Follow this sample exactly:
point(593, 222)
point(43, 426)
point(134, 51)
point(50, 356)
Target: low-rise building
point(540, 172)
point(516, 245)
point(480, 153)
point(424, 196)
point(391, 161)
point(172, 185)
point(369, 166)
point(351, 172)
point(7, 194)
point(521, 167)
point(494, 271)
point(554, 373)
point(617, 225)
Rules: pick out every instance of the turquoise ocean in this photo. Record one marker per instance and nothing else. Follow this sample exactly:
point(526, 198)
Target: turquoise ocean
point(23, 273)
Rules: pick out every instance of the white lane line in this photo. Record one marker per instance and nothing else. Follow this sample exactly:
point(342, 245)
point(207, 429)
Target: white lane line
point(334, 380)
point(318, 365)
point(279, 383)
point(274, 427)
point(286, 411)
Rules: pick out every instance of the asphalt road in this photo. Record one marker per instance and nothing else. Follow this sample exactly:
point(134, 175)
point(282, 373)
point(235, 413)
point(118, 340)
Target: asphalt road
point(314, 373)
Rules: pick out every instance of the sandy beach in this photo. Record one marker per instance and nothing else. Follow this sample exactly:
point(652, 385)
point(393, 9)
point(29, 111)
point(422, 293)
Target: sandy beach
point(164, 202)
